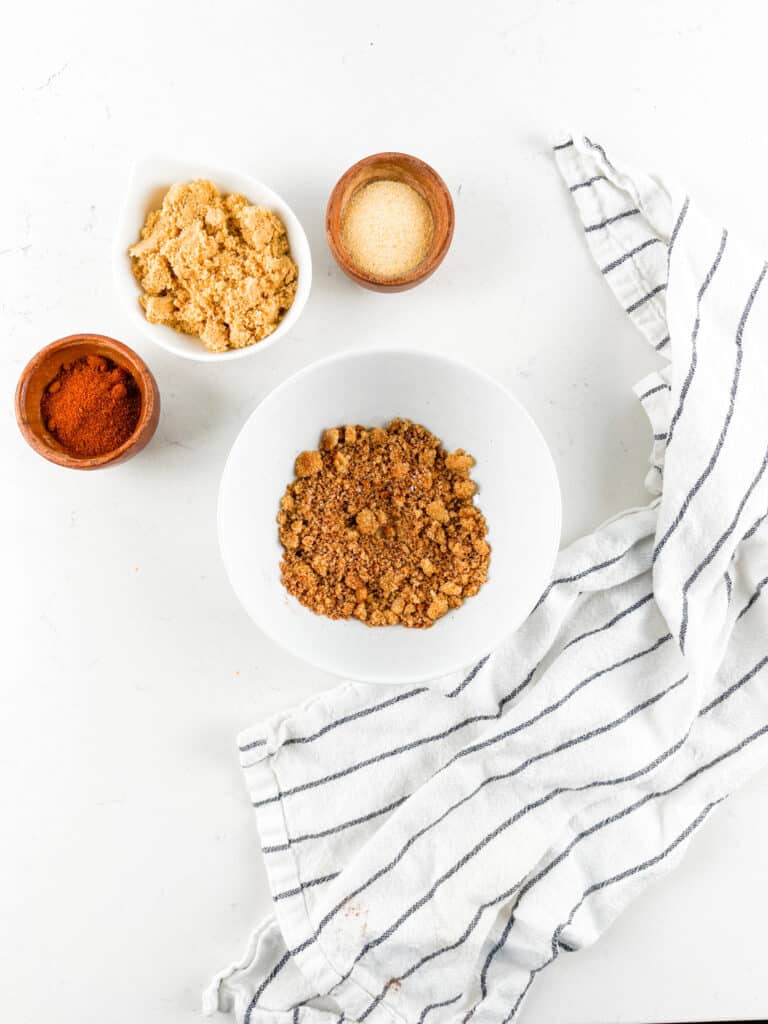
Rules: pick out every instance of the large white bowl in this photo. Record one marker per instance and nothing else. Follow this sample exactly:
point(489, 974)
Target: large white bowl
point(517, 491)
point(150, 180)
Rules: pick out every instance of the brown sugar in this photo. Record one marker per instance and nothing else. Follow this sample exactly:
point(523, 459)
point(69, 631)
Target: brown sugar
point(214, 266)
point(380, 525)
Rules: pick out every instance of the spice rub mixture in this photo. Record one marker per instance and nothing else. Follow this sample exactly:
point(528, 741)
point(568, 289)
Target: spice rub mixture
point(380, 525)
point(387, 228)
point(214, 266)
point(91, 406)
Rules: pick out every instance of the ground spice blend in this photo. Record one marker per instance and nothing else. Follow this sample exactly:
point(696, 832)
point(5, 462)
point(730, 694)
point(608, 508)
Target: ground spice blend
point(380, 525)
point(91, 406)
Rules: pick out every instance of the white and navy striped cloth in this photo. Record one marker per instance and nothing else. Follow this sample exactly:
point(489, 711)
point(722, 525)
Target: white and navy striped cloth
point(429, 852)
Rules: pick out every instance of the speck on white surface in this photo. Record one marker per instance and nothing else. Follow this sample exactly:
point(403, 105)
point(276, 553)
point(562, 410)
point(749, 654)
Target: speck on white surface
point(129, 868)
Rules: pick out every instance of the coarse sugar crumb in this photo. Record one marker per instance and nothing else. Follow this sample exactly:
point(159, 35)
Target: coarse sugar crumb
point(380, 525)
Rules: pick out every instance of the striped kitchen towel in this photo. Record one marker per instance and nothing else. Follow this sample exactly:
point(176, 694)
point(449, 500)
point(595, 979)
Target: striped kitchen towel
point(431, 851)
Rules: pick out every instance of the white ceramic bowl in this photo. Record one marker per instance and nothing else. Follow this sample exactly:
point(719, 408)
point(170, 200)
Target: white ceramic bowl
point(150, 180)
point(517, 491)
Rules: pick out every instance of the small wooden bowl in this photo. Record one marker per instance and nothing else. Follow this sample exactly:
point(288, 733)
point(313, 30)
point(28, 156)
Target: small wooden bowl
point(41, 370)
point(421, 177)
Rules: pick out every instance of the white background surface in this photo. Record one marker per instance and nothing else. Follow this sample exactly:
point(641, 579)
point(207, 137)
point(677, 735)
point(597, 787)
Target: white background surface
point(129, 867)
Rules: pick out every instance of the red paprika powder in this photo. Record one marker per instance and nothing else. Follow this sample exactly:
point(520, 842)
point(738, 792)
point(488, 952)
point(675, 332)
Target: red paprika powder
point(91, 406)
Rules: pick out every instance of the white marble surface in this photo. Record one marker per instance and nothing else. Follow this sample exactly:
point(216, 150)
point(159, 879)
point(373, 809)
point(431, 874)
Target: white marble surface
point(129, 868)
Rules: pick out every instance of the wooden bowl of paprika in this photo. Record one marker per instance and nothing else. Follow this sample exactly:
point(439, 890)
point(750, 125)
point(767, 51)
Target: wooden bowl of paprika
point(87, 401)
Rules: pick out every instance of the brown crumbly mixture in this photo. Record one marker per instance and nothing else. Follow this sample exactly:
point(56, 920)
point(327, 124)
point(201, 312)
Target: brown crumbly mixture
point(380, 525)
point(214, 266)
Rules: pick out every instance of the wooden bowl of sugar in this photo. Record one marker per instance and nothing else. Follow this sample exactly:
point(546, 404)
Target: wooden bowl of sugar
point(389, 222)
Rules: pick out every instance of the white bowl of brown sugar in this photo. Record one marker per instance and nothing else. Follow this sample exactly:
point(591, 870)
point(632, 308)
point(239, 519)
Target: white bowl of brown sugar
point(212, 265)
point(389, 516)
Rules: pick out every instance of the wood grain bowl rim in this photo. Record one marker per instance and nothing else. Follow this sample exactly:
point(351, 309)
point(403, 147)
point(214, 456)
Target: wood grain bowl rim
point(441, 240)
point(103, 345)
